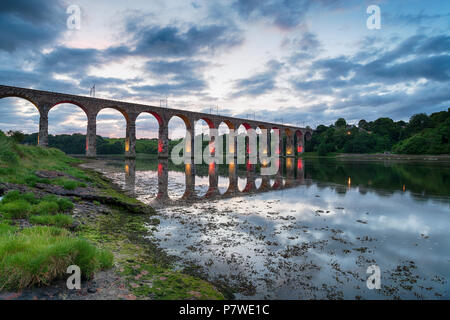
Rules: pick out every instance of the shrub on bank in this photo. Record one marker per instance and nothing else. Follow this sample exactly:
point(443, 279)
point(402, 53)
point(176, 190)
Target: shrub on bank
point(16, 209)
point(45, 207)
point(58, 220)
point(16, 205)
point(40, 255)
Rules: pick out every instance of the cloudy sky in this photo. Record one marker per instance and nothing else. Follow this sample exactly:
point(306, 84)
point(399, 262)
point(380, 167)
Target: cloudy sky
point(302, 62)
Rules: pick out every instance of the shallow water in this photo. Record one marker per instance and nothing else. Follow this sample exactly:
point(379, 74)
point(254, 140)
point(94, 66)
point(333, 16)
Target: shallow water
point(311, 231)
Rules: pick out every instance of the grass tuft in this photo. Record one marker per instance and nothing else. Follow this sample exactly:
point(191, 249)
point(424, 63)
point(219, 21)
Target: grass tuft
point(16, 209)
point(39, 255)
point(58, 220)
point(45, 208)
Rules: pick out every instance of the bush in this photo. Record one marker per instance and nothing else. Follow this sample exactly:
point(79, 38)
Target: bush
point(16, 195)
point(64, 204)
point(17, 209)
point(414, 145)
point(6, 229)
point(68, 184)
point(45, 207)
point(9, 157)
point(11, 196)
point(39, 255)
point(32, 180)
point(58, 220)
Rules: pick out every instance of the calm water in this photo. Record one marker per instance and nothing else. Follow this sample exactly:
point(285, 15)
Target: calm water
point(311, 231)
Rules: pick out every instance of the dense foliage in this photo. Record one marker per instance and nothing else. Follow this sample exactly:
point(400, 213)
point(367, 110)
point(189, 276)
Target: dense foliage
point(76, 143)
point(423, 134)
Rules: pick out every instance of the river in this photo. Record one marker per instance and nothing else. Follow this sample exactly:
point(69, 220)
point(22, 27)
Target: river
point(309, 232)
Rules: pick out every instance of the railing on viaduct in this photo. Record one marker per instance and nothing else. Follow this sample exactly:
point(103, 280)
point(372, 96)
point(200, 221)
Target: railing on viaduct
point(45, 101)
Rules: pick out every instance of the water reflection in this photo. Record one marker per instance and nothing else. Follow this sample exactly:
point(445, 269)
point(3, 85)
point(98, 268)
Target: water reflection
point(239, 183)
point(422, 180)
point(309, 231)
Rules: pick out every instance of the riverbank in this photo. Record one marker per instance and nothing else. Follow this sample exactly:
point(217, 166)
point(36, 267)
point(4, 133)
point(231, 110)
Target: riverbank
point(99, 216)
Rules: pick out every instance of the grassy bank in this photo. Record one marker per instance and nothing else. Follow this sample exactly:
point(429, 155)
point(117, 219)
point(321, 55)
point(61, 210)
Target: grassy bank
point(40, 238)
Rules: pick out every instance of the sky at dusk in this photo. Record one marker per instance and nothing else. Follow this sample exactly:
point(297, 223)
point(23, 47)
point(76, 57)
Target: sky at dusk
point(301, 62)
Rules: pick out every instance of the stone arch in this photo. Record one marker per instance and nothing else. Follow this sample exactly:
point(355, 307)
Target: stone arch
point(230, 124)
point(183, 117)
point(298, 142)
point(125, 129)
point(225, 131)
point(20, 96)
point(288, 142)
point(81, 106)
point(280, 139)
point(35, 118)
point(80, 146)
point(156, 116)
point(260, 130)
point(153, 113)
point(308, 135)
point(115, 107)
point(147, 125)
point(207, 120)
point(182, 124)
point(210, 124)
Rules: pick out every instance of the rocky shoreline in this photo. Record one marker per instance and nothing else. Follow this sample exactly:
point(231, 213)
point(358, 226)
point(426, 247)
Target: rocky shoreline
point(141, 270)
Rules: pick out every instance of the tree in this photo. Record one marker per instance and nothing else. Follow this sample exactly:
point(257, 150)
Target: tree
point(418, 122)
point(363, 124)
point(340, 123)
point(17, 136)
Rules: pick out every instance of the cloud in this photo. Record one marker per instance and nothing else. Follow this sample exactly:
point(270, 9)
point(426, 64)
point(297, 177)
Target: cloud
point(178, 67)
point(413, 18)
point(73, 61)
point(285, 14)
point(416, 58)
point(184, 86)
point(410, 78)
point(30, 24)
point(259, 83)
point(174, 41)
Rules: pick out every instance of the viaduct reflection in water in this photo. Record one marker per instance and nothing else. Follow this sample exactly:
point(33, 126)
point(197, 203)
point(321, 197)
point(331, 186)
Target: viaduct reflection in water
point(421, 180)
point(290, 174)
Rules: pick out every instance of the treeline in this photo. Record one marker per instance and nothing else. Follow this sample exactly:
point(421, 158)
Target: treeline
point(423, 134)
point(76, 143)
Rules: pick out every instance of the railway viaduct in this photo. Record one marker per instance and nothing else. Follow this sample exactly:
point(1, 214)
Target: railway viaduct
point(45, 101)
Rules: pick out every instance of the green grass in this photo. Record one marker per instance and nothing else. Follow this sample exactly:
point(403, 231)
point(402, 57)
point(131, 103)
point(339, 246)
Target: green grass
point(16, 209)
point(37, 256)
point(45, 207)
point(18, 163)
point(69, 184)
point(64, 204)
point(57, 220)
point(40, 254)
point(15, 205)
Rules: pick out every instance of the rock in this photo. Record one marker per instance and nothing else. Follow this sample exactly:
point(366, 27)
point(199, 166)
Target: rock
point(74, 226)
point(49, 174)
point(92, 290)
point(105, 211)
